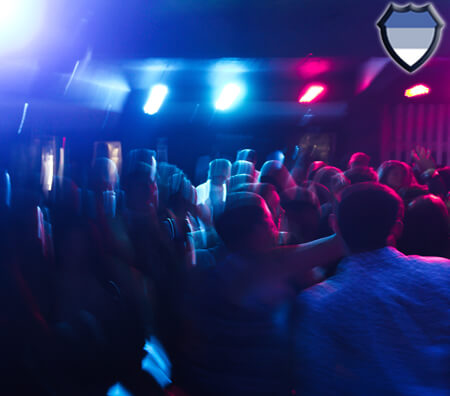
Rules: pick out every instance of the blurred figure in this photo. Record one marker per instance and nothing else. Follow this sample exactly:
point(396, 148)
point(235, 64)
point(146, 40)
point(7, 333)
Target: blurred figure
point(276, 156)
point(426, 228)
point(400, 177)
point(182, 205)
point(141, 188)
point(238, 180)
point(212, 194)
point(275, 173)
point(243, 303)
point(359, 160)
point(332, 178)
point(323, 194)
point(314, 168)
point(269, 194)
point(257, 231)
point(397, 175)
point(378, 327)
point(302, 213)
point(105, 185)
point(141, 155)
point(361, 174)
point(247, 155)
point(164, 175)
point(250, 156)
point(243, 168)
point(215, 188)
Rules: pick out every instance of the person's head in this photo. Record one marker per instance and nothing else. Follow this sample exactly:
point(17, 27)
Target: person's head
point(302, 210)
point(322, 193)
point(238, 180)
point(313, 169)
point(246, 225)
point(105, 176)
point(361, 174)
point(396, 174)
point(366, 215)
point(269, 194)
point(444, 173)
point(243, 168)
point(426, 228)
point(332, 178)
point(247, 155)
point(276, 156)
point(141, 188)
point(359, 159)
point(138, 156)
point(219, 172)
point(275, 173)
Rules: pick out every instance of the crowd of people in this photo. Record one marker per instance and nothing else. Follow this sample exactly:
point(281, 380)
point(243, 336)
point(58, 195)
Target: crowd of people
point(294, 278)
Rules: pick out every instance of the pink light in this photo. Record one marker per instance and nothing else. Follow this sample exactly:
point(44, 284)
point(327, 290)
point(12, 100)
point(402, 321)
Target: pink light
point(315, 66)
point(417, 90)
point(312, 93)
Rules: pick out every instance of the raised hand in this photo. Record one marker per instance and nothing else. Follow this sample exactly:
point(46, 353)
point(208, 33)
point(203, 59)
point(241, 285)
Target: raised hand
point(422, 159)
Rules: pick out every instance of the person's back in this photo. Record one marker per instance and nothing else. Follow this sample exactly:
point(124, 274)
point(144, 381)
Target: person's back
point(234, 337)
point(228, 345)
point(380, 326)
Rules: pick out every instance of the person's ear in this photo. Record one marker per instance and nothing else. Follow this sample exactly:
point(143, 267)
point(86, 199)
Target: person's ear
point(332, 221)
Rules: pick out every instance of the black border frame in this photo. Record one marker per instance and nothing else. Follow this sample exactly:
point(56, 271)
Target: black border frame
point(392, 7)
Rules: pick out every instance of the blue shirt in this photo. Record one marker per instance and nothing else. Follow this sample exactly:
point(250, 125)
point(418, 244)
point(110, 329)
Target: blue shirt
point(380, 326)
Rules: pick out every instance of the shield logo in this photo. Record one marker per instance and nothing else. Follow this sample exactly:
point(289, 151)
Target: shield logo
point(411, 34)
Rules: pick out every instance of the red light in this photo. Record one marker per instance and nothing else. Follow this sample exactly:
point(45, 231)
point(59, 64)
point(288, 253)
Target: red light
point(312, 93)
point(417, 90)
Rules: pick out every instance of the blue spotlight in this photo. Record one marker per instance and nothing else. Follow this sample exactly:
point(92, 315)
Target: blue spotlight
point(156, 99)
point(230, 93)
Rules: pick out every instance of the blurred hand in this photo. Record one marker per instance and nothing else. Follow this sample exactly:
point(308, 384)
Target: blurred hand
point(423, 159)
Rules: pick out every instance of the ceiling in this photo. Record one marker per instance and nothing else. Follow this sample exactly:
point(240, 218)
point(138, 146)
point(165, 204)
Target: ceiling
point(138, 29)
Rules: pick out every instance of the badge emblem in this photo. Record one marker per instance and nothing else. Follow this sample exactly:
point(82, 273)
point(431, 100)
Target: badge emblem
point(411, 34)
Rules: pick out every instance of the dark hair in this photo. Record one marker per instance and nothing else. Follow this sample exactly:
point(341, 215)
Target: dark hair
point(426, 231)
point(366, 213)
point(302, 212)
point(361, 174)
point(314, 168)
point(275, 173)
point(359, 159)
point(243, 213)
point(387, 167)
point(332, 178)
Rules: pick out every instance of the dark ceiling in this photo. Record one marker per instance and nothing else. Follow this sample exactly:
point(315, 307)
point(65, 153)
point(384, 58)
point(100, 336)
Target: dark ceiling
point(130, 29)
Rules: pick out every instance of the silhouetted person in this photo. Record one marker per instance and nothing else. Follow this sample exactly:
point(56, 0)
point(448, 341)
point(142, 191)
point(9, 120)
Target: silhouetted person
point(302, 212)
point(361, 174)
point(275, 173)
point(397, 175)
point(359, 159)
point(235, 334)
point(426, 229)
point(243, 168)
point(379, 326)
